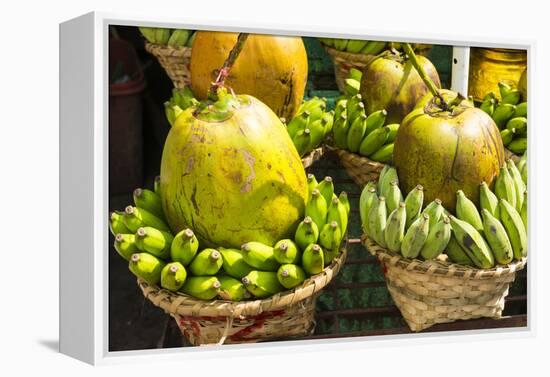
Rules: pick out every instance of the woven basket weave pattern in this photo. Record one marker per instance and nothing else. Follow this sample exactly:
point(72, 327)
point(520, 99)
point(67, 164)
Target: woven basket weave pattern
point(508, 154)
point(431, 292)
point(312, 156)
point(360, 169)
point(286, 314)
point(175, 62)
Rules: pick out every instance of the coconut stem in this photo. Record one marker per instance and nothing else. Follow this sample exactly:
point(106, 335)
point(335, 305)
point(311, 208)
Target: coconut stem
point(227, 65)
point(424, 76)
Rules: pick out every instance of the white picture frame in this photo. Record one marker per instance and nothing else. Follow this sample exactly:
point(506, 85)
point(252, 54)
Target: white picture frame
point(84, 190)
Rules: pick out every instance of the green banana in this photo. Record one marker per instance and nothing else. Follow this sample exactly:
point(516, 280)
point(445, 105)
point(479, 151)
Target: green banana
point(466, 210)
point(518, 123)
point(340, 44)
point(358, 113)
point(373, 48)
point(515, 228)
point(413, 203)
point(299, 122)
point(523, 212)
point(373, 141)
point(135, 218)
point(232, 289)
point(435, 209)
point(524, 172)
point(512, 97)
point(327, 121)
point(173, 276)
point(207, 263)
point(343, 197)
point(327, 41)
point(502, 113)
point(384, 154)
point(326, 188)
point(201, 287)
point(317, 132)
point(340, 131)
point(340, 108)
point(497, 238)
point(337, 212)
point(125, 245)
point(301, 141)
point(504, 186)
point(365, 202)
point(148, 33)
point(259, 256)
point(116, 223)
point(488, 106)
point(313, 259)
point(355, 45)
point(353, 107)
point(518, 183)
point(162, 35)
point(507, 136)
point(307, 233)
point(146, 266)
point(473, 244)
point(518, 146)
point(415, 237)
point(290, 275)
point(191, 40)
point(393, 196)
point(437, 240)
point(154, 241)
point(330, 239)
point(394, 127)
point(504, 89)
point(375, 121)
point(351, 87)
point(488, 200)
point(521, 110)
point(355, 74)
point(156, 184)
point(316, 208)
point(311, 183)
point(395, 228)
point(377, 221)
point(233, 263)
point(387, 175)
point(184, 247)
point(286, 251)
point(149, 201)
point(456, 254)
point(356, 133)
point(262, 284)
point(178, 38)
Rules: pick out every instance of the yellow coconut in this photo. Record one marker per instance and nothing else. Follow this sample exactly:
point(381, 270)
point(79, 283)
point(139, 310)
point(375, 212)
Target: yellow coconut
point(230, 172)
point(271, 68)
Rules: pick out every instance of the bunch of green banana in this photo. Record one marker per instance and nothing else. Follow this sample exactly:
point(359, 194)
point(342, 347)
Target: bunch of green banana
point(510, 115)
point(355, 46)
point(176, 263)
point(359, 132)
point(181, 100)
point(311, 124)
point(168, 37)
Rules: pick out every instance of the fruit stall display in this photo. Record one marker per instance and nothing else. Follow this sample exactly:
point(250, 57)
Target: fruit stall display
point(419, 230)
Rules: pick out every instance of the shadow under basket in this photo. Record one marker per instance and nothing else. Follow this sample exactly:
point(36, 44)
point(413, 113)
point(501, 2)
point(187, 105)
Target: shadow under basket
point(287, 314)
point(311, 157)
point(361, 169)
point(174, 60)
point(437, 291)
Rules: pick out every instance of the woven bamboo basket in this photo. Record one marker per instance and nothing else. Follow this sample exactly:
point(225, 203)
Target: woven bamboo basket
point(437, 291)
point(312, 156)
point(286, 314)
point(361, 169)
point(508, 154)
point(344, 61)
point(175, 62)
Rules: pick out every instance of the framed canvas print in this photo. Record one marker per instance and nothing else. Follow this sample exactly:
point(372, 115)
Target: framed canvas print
point(248, 188)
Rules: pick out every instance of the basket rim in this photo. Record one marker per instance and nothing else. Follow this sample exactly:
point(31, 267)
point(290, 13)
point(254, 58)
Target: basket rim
point(165, 50)
point(439, 267)
point(344, 153)
point(314, 155)
point(172, 302)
